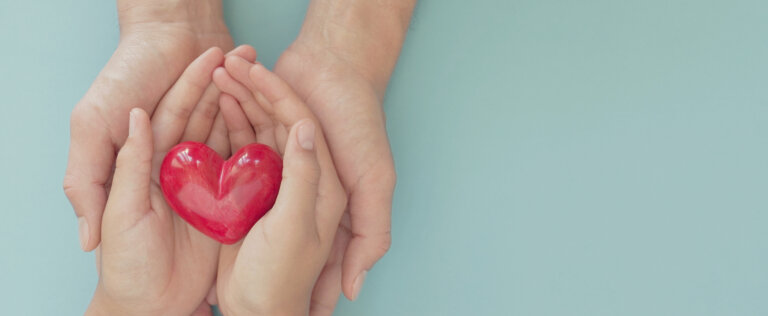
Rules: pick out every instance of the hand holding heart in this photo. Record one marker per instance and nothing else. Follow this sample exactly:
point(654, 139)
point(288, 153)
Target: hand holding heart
point(150, 261)
point(274, 269)
point(153, 262)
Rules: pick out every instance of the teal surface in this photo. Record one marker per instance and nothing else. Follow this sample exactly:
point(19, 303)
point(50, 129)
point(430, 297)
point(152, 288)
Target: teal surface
point(554, 157)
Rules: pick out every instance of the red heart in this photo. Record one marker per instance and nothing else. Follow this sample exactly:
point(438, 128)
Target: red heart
point(222, 199)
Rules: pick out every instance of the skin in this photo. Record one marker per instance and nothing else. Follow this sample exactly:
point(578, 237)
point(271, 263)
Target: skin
point(273, 270)
point(158, 40)
point(147, 252)
point(339, 66)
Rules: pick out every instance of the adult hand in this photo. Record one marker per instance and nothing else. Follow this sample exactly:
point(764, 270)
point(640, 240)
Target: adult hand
point(340, 65)
point(151, 261)
point(158, 39)
point(273, 269)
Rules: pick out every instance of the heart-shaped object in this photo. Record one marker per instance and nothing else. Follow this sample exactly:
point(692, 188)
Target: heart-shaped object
point(222, 199)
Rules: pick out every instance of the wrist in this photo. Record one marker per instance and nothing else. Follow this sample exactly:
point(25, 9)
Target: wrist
point(367, 35)
point(198, 15)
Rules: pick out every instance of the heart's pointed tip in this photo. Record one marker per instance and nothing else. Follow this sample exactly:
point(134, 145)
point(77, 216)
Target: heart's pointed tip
point(229, 242)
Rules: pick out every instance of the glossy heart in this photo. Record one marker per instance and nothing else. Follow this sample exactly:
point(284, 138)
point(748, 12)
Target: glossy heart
point(222, 199)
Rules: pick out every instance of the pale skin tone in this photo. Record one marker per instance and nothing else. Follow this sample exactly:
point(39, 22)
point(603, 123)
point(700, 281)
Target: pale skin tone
point(149, 255)
point(147, 252)
point(274, 269)
point(339, 66)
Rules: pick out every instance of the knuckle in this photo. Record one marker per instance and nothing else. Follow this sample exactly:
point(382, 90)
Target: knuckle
point(389, 176)
point(178, 111)
point(78, 114)
point(379, 244)
point(209, 108)
point(384, 243)
point(69, 185)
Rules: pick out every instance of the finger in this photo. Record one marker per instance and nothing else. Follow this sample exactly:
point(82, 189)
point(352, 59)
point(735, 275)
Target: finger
point(212, 298)
point(260, 121)
point(218, 140)
point(288, 109)
point(91, 155)
point(246, 52)
point(370, 211)
point(239, 129)
point(301, 174)
point(174, 110)
point(286, 106)
point(239, 69)
point(327, 289)
point(129, 196)
point(203, 116)
point(203, 310)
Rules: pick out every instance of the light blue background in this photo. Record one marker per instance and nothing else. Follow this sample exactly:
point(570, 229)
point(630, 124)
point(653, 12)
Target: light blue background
point(554, 157)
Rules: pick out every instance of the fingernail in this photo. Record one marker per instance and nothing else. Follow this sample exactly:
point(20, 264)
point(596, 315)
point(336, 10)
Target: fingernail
point(307, 135)
point(131, 122)
point(358, 285)
point(83, 230)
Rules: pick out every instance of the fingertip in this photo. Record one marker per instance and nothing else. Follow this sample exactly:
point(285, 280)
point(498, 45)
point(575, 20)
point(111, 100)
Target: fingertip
point(209, 59)
point(226, 83)
point(215, 51)
point(271, 86)
point(138, 122)
point(360, 257)
point(305, 134)
point(220, 75)
point(245, 51)
point(352, 283)
point(357, 286)
point(257, 70)
point(139, 143)
point(232, 62)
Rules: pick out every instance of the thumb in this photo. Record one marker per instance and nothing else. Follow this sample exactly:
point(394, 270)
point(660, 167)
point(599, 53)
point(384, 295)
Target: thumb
point(301, 173)
point(370, 208)
point(129, 197)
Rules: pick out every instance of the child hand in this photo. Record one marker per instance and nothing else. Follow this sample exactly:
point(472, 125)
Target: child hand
point(150, 261)
point(273, 270)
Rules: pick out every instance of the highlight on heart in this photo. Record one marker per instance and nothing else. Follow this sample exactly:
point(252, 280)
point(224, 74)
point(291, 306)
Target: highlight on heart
point(211, 183)
point(221, 198)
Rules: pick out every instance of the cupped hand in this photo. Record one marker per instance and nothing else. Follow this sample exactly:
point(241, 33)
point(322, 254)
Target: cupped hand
point(273, 270)
point(151, 262)
point(158, 40)
point(347, 101)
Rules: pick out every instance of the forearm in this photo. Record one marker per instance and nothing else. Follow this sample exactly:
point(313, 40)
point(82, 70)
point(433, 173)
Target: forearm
point(369, 34)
